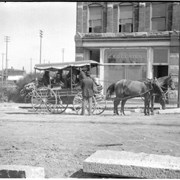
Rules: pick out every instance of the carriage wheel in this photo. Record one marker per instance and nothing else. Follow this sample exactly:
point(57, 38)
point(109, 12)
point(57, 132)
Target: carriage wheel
point(99, 104)
point(77, 103)
point(27, 98)
point(61, 105)
point(44, 100)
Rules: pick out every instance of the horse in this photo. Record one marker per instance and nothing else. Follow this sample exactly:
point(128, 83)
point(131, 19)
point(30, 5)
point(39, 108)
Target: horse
point(127, 89)
point(165, 83)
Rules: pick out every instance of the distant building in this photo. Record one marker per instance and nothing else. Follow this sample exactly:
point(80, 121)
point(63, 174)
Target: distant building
point(13, 76)
point(133, 40)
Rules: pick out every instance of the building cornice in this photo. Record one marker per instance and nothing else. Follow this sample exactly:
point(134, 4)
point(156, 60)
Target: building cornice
point(124, 36)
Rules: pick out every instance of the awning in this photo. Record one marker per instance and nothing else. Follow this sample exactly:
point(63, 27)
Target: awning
point(58, 66)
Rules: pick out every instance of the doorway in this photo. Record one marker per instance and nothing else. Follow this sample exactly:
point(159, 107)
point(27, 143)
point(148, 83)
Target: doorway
point(95, 55)
point(160, 71)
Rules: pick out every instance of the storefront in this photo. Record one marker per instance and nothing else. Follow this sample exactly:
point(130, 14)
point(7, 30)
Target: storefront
point(125, 63)
point(137, 57)
point(131, 40)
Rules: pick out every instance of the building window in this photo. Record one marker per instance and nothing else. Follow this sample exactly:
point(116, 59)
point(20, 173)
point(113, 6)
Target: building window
point(161, 55)
point(159, 16)
point(95, 19)
point(125, 18)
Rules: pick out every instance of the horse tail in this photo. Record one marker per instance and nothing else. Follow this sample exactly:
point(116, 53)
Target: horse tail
point(110, 90)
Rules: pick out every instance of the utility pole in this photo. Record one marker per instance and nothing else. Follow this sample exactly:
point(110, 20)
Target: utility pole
point(178, 104)
point(7, 39)
point(2, 73)
point(41, 36)
point(62, 54)
point(31, 65)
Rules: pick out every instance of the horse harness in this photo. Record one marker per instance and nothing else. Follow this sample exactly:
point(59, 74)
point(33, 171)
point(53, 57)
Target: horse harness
point(149, 83)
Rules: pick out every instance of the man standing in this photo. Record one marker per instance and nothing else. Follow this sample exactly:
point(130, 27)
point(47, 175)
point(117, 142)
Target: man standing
point(87, 86)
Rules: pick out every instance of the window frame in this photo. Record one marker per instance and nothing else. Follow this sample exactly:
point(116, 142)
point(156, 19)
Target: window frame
point(161, 48)
point(158, 17)
point(88, 18)
point(119, 18)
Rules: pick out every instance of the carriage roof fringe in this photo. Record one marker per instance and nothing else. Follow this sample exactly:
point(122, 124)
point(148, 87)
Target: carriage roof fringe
point(66, 65)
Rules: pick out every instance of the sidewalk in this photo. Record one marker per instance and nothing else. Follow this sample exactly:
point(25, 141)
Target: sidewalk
point(135, 103)
point(139, 103)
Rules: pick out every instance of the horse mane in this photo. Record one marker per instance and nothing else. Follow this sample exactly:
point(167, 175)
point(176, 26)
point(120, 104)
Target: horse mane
point(164, 78)
point(157, 87)
point(164, 81)
point(111, 89)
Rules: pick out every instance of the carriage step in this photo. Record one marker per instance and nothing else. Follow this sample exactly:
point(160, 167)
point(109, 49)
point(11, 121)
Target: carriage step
point(132, 165)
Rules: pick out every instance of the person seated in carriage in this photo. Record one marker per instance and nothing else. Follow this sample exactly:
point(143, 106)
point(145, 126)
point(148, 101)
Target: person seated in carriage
point(58, 79)
point(74, 80)
point(45, 79)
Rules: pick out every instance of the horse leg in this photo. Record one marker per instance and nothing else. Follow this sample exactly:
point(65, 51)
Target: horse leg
point(149, 95)
point(146, 105)
point(152, 104)
point(116, 103)
point(122, 106)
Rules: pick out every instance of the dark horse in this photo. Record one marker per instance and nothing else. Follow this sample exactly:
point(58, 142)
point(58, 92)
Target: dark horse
point(127, 89)
point(165, 83)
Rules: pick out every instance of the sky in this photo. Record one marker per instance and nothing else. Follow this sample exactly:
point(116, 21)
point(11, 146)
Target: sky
point(22, 22)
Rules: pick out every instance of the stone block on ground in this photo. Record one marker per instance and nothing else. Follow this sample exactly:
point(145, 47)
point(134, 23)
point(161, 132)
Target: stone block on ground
point(132, 165)
point(16, 171)
point(169, 111)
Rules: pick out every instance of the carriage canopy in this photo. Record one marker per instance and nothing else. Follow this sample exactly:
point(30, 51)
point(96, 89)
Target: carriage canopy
point(65, 65)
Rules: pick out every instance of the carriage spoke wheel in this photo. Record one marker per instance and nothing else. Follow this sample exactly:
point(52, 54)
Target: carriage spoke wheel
point(98, 104)
point(77, 103)
point(61, 105)
point(44, 100)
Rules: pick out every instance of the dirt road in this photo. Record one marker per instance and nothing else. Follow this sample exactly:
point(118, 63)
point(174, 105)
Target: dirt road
point(60, 143)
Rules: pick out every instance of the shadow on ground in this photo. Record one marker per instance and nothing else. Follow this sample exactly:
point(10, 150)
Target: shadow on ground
point(81, 174)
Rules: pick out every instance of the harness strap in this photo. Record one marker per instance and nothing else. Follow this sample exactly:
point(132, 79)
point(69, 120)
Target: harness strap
point(140, 95)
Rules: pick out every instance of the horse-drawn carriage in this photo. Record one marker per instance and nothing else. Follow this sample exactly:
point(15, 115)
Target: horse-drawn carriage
point(56, 98)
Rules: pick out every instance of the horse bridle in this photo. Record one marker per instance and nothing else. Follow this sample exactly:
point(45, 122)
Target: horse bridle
point(166, 88)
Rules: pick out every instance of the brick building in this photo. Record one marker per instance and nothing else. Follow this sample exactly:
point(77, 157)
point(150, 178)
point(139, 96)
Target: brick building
point(133, 40)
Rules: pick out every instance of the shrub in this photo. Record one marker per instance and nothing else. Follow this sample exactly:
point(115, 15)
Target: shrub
point(14, 93)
